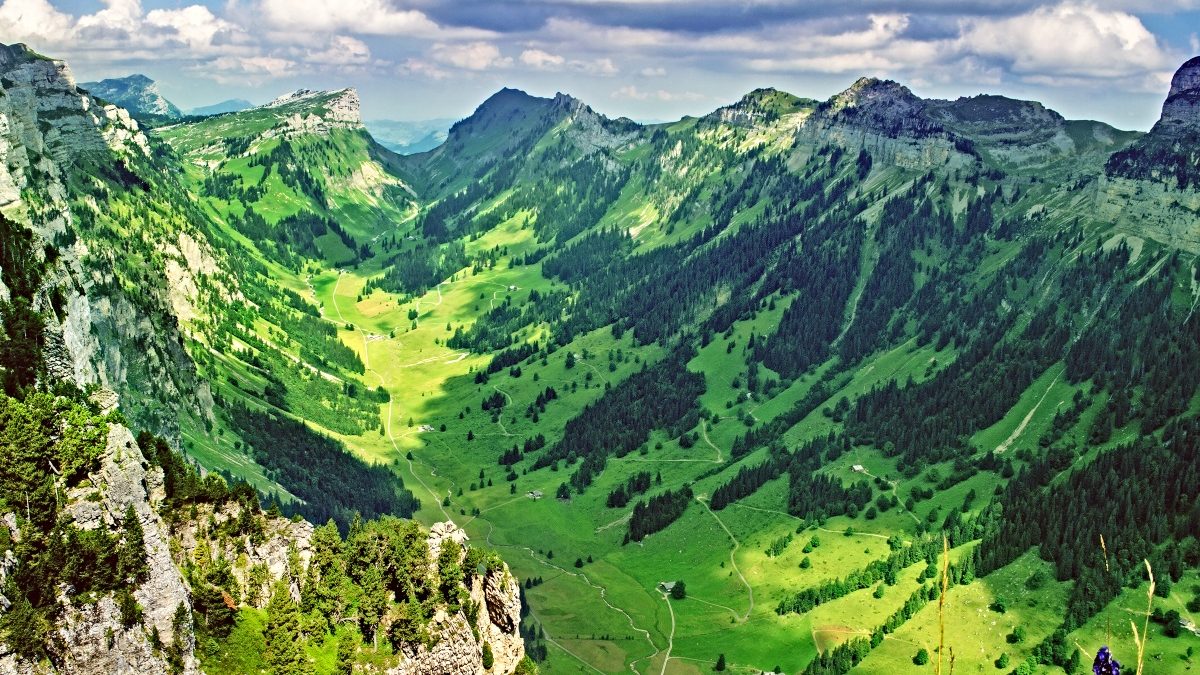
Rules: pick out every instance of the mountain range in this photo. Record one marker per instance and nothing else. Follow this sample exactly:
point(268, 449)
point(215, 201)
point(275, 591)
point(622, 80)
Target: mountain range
point(806, 386)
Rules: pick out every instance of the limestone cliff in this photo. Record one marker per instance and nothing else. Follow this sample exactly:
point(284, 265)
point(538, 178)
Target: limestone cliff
point(91, 636)
point(1153, 186)
point(102, 328)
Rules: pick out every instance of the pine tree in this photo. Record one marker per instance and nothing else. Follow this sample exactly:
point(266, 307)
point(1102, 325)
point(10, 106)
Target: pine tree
point(347, 647)
point(284, 652)
point(373, 605)
point(131, 556)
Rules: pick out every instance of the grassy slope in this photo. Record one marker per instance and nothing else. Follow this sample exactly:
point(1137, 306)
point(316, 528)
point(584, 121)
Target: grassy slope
point(608, 615)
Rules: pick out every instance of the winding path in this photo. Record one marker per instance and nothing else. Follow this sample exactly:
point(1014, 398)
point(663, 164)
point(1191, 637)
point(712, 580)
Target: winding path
point(1000, 449)
point(391, 402)
point(671, 635)
point(732, 553)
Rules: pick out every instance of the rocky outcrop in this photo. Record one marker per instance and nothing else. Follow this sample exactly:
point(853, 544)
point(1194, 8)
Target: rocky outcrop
point(1181, 110)
point(91, 637)
point(890, 122)
point(315, 112)
point(256, 562)
point(457, 645)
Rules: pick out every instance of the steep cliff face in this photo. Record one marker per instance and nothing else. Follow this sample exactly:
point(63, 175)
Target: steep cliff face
point(1154, 184)
point(1181, 110)
point(66, 157)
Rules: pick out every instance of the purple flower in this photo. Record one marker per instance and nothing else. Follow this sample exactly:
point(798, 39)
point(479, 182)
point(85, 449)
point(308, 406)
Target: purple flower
point(1105, 664)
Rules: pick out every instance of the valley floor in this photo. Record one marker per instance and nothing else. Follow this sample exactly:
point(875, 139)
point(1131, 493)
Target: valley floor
point(596, 601)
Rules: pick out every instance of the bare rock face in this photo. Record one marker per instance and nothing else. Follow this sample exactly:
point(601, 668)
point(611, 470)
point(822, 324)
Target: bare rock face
point(1181, 110)
point(315, 112)
point(889, 121)
point(457, 649)
point(272, 552)
point(96, 642)
point(455, 653)
point(503, 599)
point(442, 532)
point(92, 638)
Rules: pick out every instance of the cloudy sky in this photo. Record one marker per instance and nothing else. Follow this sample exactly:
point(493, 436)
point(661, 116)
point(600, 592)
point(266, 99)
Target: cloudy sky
point(647, 59)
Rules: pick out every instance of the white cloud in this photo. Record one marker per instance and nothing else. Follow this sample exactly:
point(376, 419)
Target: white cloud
point(195, 25)
point(342, 50)
point(539, 59)
point(422, 68)
point(247, 70)
point(117, 15)
point(120, 30)
point(653, 72)
point(470, 55)
point(604, 67)
point(1069, 40)
point(542, 60)
point(1194, 42)
point(631, 92)
point(33, 21)
point(368, 17)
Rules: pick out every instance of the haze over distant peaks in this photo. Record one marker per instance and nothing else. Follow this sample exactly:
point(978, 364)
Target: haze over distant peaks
point(410, 136)
point(228, 106)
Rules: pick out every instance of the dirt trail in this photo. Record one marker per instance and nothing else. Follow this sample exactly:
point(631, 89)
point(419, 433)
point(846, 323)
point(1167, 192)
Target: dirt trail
point(732, 558)
point(391, 401)
point(670, 636)
point(1000, 449)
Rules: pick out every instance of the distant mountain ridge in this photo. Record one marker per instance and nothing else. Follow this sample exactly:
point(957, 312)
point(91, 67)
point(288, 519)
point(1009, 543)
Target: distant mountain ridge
point(227, 106)
point(136, 93)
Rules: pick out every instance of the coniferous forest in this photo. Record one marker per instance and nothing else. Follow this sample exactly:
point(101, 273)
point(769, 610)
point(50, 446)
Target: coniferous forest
point(877, 383)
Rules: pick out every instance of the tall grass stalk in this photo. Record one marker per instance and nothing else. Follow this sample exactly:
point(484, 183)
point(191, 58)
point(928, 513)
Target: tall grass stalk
point(1107, 619)
point(1140, 640)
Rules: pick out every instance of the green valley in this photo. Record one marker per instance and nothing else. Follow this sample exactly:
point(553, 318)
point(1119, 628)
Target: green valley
point(853, 385)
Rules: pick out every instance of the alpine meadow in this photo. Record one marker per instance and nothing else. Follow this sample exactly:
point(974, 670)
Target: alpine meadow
point(868, 383)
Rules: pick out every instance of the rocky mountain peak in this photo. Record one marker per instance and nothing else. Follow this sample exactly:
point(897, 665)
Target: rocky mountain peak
point(1187, 78)
point(136, 93)
point(760, 105)
point(880, 106)
point(1182, 107)
point(873, 93)
point(341, 105)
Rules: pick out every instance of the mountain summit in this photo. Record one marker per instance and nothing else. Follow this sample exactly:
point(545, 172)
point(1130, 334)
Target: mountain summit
point(1182, 107)
point(138, 94)
point(1170, 153)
